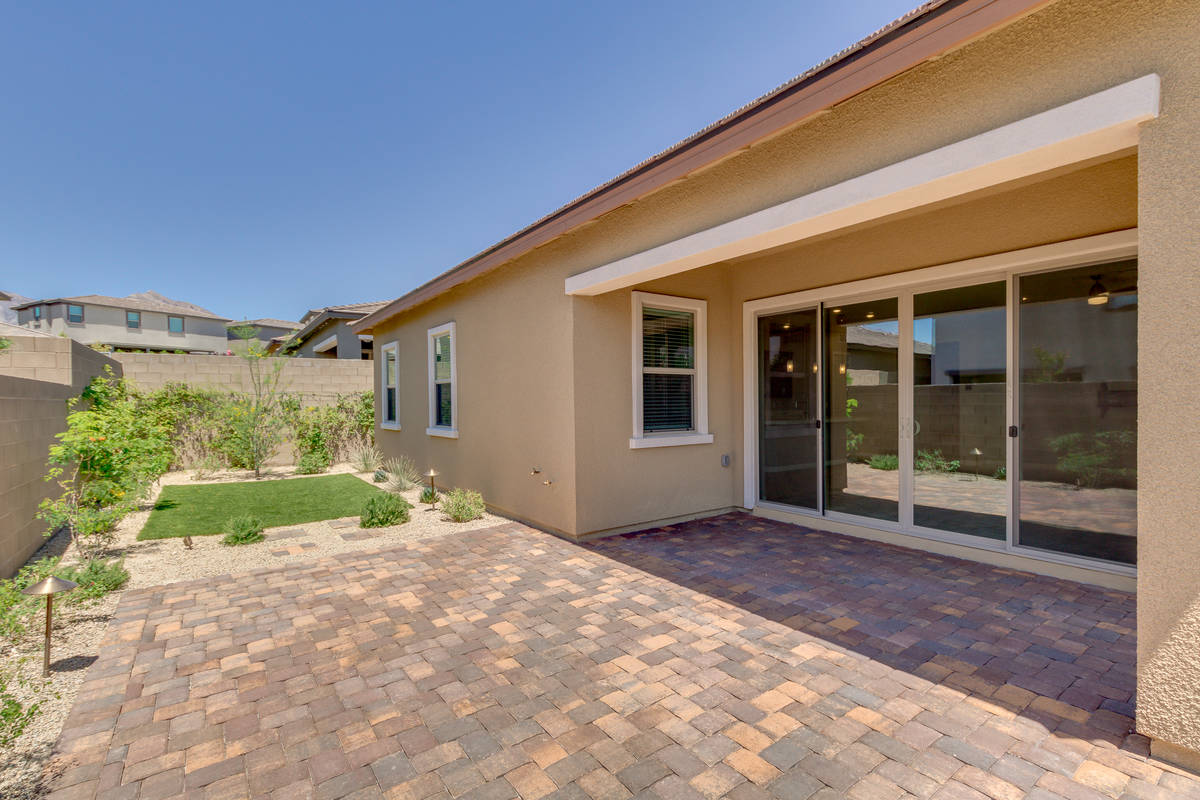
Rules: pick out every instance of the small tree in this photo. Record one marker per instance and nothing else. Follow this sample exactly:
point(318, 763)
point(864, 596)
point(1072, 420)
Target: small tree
point(254, 419)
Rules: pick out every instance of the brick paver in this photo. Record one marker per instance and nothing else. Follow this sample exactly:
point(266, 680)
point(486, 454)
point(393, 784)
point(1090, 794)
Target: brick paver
point(730, 657)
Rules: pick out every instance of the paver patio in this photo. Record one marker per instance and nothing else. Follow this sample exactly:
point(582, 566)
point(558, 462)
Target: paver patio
point(725, 657)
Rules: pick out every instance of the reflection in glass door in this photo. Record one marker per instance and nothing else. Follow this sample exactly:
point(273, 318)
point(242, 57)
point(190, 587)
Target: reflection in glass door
point(1077, 339)
point(862, 457)
point(959, 411)
point(789, 411)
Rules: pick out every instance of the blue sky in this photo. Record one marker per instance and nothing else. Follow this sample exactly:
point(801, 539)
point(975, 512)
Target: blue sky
point(263, 159)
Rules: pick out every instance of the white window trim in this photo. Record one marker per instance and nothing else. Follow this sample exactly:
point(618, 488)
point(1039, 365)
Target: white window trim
point(434, 429)
point(394, 349)
point(699, 434)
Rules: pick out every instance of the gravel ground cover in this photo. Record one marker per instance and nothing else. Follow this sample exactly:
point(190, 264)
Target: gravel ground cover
point(78, 630)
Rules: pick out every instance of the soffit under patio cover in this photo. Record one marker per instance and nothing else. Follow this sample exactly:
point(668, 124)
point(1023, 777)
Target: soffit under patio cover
point(1093, 126)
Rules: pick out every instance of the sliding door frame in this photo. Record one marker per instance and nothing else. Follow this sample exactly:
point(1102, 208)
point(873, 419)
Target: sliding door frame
point(902, 286)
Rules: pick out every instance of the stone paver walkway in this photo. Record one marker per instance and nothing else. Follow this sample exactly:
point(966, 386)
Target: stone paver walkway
point(729, 657)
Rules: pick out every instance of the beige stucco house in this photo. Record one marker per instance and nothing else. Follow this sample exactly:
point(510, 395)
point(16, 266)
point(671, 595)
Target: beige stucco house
point(146, 322)
point(942, 290)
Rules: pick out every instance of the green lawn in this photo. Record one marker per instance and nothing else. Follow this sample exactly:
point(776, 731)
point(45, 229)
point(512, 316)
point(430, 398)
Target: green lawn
point(202, 510)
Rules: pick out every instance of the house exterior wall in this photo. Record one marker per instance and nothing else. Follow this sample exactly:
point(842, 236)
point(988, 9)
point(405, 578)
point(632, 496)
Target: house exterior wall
point(518, 317)
point(106, 325)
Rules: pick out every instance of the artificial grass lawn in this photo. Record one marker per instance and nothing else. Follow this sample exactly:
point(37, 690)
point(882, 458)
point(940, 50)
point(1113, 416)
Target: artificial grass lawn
point(204, 510)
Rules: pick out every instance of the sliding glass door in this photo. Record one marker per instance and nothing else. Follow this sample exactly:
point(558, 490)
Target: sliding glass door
point(1077, 341)
point(862, 456)
point(789, 410)
point(1001, 414)
point(959, 411)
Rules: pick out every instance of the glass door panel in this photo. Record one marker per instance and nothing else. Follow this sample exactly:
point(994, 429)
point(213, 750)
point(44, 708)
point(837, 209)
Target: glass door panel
point(789, 448)
point(1077, 334)
point(862, 358)
point(959, 411)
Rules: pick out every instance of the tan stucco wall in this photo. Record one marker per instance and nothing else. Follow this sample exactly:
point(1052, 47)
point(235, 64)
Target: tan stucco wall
point(514, 394)
point(1068, 50)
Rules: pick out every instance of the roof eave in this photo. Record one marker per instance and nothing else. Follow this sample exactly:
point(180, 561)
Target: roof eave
point(925, 33)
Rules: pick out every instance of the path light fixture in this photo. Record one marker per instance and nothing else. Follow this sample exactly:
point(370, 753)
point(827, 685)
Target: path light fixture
point(431, 474)
point(49, 587)
point(975, 451)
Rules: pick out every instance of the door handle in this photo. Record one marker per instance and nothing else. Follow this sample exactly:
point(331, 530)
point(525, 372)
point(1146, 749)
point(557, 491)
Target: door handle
point(916, 427)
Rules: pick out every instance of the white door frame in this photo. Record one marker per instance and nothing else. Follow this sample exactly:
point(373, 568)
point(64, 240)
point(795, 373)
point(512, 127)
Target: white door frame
point(1001, 266)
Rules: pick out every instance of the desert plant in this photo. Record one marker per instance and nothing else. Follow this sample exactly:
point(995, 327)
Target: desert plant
point(1001, 473)
point(934, 461)
point(96, 578)
point(884, 461)
point(313, 462)
point(5, 344)
point(364, 457)
point(463, 505)
point(380, 476)
point(429, 496)
point(1103, 459)
point(15, 714)
point(241, 530)
point(404, 473)
point(255, 424)
point(384, 509)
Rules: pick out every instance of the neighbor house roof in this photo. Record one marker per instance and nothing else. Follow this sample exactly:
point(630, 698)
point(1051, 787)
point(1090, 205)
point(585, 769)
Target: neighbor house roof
point(924, 33)
point(317, 316)
point(264, 322)
point(146, 301)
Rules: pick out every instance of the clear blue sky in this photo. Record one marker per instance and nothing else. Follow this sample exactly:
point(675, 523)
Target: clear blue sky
point(263, 159)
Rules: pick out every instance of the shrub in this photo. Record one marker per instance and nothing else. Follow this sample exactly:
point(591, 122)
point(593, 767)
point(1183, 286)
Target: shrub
point(243, 530)
point(312, 463)
point(404, 474)
point(364, 457)
point(884, 461)
point(934, 461)
point(429, 496)
point(1104, 458)
point(384, 509)
point(463, 505)
point(15, 716)
point(104, 463)
point(380, 476)
point(1001, 473)
point(96, 578)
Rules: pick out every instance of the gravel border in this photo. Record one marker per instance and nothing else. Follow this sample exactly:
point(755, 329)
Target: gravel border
point(78, 630)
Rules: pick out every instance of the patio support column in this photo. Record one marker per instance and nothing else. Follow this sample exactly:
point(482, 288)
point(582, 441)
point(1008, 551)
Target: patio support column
point(1168, 603)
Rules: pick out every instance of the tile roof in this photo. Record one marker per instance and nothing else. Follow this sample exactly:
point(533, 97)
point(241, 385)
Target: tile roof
point(146, 301)
point(265, 322)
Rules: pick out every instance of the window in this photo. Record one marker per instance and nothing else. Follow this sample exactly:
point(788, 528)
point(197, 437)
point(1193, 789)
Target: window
point(175, 324)
point(443, 383)
point(389, 378)
point(37, 313)
point(133, 319)
point(75, 313)
point(670, 371)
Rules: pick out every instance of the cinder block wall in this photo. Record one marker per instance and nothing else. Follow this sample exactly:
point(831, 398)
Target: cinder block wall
point(38, 374)
point(318, 379)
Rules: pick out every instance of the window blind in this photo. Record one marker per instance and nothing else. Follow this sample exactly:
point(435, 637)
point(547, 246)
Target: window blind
point(668, 370)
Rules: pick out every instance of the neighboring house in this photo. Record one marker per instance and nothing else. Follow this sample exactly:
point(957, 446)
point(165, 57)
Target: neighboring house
point(326, 333)
point(996, 171)
point(266, 331)
point(139, 322)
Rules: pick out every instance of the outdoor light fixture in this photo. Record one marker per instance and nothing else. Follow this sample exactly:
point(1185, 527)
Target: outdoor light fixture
point(975, 451)
point(1097, 295)
point(431, 474)
point(49, 587)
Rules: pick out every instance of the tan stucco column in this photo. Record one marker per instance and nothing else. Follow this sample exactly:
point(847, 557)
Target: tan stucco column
point(1168, 691)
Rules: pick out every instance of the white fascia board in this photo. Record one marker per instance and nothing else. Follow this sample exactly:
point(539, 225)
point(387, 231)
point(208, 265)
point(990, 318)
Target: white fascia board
point(1096, 125)
point(325, 344)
